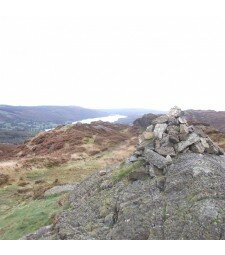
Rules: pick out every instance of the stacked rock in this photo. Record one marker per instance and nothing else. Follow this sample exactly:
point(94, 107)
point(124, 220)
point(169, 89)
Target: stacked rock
point(170, 135)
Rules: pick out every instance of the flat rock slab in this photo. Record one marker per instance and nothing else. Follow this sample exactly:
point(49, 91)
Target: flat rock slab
point(156, 159)
point(60, 189)
point(192, 138)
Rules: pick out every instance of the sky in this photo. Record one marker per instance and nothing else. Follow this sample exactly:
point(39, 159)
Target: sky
point(113, 54)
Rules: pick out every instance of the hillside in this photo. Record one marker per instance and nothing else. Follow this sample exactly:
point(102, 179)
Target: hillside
point(55, 159)
point(171, 188)
point(20, 123)
point(95, 181)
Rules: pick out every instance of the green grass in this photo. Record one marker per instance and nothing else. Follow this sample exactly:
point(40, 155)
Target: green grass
point(125, 170)
point(27, 217)
point(89, 140)
point(66, 173)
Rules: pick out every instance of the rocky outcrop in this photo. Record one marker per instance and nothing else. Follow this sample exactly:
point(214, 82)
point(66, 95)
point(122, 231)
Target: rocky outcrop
point(145, 120)
point(59, 189)
point(174, 189)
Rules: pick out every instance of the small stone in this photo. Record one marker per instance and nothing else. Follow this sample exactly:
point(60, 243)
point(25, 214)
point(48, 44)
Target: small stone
point(138, 153)
point(161, 119)
point(133, 159)
point(204, 143)
point(109, 220)
point(151, 170)
point(159, 130)
point(102, 172)
point(169, 160)
point(175, 112)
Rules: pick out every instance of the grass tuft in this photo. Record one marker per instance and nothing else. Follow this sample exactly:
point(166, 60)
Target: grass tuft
point(126, 169)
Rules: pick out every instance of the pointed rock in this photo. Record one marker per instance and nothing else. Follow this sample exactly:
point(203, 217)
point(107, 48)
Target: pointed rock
point(175, 112)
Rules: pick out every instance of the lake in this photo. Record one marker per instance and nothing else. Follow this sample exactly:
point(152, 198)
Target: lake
point(110, 118)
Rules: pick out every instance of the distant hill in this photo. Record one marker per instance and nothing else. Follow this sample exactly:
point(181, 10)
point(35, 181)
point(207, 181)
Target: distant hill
point(206, 117)
point(132, 114)
point(215, 119)
point(19, 123)
point(55, 114)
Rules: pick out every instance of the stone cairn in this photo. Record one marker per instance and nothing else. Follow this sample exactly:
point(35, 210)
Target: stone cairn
point(168, 136)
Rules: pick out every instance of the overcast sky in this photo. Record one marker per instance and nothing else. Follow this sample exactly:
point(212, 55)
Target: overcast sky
point(135, 54)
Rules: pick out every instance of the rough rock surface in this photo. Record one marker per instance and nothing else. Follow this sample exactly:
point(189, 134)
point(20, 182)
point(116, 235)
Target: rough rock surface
point(187, 202)
point(179, 197)
point(59, 189)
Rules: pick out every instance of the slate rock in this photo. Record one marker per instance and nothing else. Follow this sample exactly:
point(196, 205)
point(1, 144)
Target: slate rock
point(155, 158)
point(192, 138)
point(151, 170)
point(133, 159)
point(184, 132)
